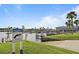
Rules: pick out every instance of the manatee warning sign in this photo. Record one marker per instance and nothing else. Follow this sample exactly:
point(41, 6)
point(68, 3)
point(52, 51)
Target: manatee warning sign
point(17, 36)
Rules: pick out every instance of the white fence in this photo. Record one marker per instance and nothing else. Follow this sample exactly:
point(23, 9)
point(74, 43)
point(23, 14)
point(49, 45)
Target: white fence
point(3, 35)
point(32, 37)
point(26, 36)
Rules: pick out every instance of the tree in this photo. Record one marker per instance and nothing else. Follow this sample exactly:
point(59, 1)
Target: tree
point(68, 24)
point(76, 22)
point(71, 16)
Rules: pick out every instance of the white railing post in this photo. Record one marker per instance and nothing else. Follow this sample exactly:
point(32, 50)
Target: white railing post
point(21, 48)
point(21, 44)
point(13, 43)
point(13, 48)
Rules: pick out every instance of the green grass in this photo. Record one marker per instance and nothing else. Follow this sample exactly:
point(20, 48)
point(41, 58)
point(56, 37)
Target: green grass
point(34, 48)
point(67, 36)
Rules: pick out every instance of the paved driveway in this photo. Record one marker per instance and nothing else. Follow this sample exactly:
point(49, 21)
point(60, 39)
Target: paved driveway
point(67, 44)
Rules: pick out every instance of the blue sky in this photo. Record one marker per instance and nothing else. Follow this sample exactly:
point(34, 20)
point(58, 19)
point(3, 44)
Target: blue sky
point(35, 15)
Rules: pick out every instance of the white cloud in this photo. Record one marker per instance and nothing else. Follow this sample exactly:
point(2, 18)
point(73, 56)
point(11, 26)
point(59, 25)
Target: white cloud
point(50, 21)
point(57, 21)
point(76, 9)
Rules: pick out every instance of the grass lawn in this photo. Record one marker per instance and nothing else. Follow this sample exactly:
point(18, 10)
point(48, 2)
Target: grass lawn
point(34, 48)
point(67, 36)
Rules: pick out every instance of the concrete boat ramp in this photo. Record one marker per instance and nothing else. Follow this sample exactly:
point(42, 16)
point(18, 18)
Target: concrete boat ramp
point(67, 44)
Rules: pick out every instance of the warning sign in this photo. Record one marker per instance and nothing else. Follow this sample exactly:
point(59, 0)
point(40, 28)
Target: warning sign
point(17, 36)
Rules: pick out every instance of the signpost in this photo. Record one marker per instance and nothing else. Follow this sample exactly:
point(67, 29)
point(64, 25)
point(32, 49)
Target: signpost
point(13, 43)
point(17, 36)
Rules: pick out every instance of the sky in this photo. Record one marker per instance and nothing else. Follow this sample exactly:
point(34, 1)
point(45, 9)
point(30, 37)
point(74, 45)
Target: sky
point(35, 15)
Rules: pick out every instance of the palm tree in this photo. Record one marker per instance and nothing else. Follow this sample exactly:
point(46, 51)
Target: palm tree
point(71, 16)
point(68, 24)
point(76, 22)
